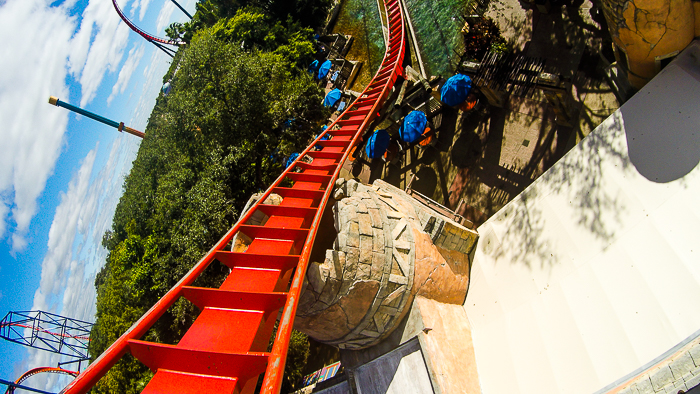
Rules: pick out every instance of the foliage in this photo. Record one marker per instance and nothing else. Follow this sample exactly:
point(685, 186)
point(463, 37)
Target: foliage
point(207, 149)
point(309, 13)
point(295, 14)
point(499, 46)
point(296, 360)
point(253, 30)
point(207, 14)
point(297, 354)
point(483, 35)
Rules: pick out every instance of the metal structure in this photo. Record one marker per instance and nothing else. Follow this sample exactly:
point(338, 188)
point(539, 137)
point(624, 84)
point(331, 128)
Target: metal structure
point(226, 348)
point(182, 9)
point(17, 384)
point(48, 331)
point(117, 125)
point(157, 41)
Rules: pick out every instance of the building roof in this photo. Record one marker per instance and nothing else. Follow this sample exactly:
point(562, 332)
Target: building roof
point(593, 271)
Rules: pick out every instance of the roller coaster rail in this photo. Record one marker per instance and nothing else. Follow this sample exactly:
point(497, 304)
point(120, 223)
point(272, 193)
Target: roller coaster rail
point(225, 349)
point(157, 41)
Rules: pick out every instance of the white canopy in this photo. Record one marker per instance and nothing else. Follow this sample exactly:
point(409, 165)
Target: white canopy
point(594, 270)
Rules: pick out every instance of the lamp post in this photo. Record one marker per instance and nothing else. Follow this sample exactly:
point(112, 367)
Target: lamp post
point(118, 125)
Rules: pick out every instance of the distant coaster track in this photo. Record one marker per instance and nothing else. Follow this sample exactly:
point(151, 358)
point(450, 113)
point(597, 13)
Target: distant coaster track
point(226, 348)
point(32, 372)
point(148, 37)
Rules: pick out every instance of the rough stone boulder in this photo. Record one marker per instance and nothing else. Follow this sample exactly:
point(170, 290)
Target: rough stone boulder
point(389, 248)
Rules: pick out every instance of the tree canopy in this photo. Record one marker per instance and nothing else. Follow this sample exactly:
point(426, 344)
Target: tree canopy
point(293, 14)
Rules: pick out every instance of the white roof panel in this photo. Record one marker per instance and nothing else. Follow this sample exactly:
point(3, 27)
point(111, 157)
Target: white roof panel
point(594, 270)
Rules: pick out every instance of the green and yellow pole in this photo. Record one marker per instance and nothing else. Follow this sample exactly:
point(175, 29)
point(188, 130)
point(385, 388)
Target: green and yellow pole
point(118, 125)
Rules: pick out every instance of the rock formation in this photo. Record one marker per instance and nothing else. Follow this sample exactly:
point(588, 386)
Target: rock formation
point(649, 33)
point(389, 248)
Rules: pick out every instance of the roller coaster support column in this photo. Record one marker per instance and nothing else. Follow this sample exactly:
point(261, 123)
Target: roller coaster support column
point(182, 9)
point(117, 125)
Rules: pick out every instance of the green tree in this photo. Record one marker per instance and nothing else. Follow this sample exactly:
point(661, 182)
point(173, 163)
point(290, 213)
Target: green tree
point(223, 92)
point(208, 147)
point(297, 354)
point(253, 30)
point(309, 13)
point(294, 14)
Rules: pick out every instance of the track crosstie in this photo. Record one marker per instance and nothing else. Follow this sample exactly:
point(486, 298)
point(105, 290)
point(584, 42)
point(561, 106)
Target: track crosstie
point(225, 350)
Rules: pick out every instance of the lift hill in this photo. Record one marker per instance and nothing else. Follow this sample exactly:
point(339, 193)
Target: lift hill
point(225, 350)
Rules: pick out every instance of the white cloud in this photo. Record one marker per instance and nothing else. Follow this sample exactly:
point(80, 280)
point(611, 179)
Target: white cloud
point(47, 46)
point(141, 5)
point(105, 50)
point(144, 7)
point(153, 74)
point(86, 210)
point(33, 67)
point(133, 9)
point(44, 47)
point(55, 267)
point(19, 242)
point(130, 65)
point(164, 15)
point(4, 210)
point(74, 253)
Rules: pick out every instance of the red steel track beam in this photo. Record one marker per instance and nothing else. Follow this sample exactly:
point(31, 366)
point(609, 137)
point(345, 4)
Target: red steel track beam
point(376, 92)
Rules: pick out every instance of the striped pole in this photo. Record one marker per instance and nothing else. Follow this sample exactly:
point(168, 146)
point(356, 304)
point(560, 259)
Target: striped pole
point(118, 125)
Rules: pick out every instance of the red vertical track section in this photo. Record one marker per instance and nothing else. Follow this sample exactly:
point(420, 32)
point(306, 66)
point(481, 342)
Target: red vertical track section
point(225, 350)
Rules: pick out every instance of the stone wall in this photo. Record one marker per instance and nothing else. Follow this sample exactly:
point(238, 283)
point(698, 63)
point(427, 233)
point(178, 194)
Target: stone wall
point(675, 375)
point(647, 29)
point(357, 293)
point(389, 248)
point(444, 334)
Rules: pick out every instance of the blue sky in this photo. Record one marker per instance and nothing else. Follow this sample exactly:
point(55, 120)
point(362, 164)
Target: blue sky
point(61, 175)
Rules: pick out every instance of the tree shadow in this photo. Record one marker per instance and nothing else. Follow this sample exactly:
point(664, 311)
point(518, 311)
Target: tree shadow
point(493, 138)
point(524, 241)
point(426, 181)
point(446, 132)
point(579, 177)
point(467, 150)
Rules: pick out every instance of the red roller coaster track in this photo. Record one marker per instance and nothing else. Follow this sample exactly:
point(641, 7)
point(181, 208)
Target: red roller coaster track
point(141, 32)
point(35, 371)
point(225, 350)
